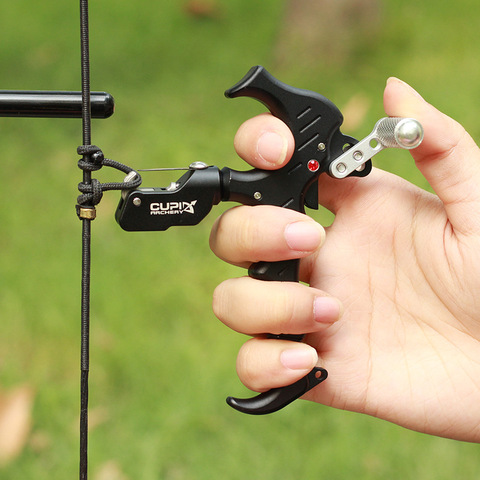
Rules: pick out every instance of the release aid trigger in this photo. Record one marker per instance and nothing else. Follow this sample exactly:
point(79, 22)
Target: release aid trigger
point(389, 132)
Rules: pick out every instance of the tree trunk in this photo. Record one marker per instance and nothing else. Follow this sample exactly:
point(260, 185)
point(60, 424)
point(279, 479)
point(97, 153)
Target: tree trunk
point(326, 31)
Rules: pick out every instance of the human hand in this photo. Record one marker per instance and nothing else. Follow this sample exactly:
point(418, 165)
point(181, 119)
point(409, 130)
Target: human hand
point(404, 263)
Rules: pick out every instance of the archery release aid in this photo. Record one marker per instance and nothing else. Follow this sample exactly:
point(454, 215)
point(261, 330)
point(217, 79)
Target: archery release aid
point(320, 147)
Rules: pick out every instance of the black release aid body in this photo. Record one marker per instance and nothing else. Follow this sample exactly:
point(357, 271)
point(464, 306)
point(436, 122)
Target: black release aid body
point(315, 123)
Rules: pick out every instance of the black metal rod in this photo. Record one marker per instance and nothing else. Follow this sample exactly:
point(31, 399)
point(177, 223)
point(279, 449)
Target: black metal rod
point(53, 104)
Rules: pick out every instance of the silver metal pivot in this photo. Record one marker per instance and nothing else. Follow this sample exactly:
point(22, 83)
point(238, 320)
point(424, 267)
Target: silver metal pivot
point(389, 132)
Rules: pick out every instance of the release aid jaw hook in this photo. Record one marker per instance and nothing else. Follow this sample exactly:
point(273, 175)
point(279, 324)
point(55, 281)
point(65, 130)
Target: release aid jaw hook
point(131, 177)
point(173, 185)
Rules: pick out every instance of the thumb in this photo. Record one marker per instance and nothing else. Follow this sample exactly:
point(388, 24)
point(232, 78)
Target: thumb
point(448, 157)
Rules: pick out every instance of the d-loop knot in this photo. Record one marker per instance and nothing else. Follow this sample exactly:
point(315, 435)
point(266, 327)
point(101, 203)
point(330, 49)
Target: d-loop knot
point(92, 158)
point(92, 191)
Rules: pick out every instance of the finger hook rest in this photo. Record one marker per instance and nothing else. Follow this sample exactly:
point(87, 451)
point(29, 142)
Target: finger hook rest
point(277, 398)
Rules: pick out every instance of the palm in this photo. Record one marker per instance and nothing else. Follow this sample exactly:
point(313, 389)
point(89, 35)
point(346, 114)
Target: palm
point(394, 354)
point(404, 263)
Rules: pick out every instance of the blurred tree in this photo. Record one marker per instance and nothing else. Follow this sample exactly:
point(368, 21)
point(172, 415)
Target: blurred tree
point(202, 8)
point(327, 31)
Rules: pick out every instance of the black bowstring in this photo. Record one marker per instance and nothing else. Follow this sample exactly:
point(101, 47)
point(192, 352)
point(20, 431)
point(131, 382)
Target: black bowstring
point(91, 193)
point(86, 246)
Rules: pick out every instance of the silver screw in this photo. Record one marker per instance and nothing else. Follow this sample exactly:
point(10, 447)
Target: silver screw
point(198, 166)
point(257, 196)
point(137, 201)
point(321, 147)
point(341, 167)
point(358, 155)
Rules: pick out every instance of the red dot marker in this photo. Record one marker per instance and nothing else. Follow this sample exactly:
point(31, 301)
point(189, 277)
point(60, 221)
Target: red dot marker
point(313, 165)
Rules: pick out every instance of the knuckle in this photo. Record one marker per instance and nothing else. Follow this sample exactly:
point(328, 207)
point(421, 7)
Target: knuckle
point(236, 234)
point(249, 236)
point(220, 301)
point(249, 369)
point(282, 308)
point(290, 309)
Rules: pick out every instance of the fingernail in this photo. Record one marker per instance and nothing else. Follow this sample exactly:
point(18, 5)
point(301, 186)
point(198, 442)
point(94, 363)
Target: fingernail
point(405, 84)
point(272, 148)
point(326, 309)
point(304, 236)
point(298, 358)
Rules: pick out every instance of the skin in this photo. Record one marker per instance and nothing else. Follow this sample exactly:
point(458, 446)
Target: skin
point(391, 302)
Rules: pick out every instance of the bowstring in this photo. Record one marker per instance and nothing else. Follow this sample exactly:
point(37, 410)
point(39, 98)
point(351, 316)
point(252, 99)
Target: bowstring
point(91, 193)
point(86, 245)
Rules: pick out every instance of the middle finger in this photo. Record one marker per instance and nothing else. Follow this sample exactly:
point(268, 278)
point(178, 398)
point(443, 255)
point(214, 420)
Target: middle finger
point(243, 235)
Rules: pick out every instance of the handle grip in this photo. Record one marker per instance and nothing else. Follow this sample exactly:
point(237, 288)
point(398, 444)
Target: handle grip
point(315, 124)
point(277, 398)
point(283, 271)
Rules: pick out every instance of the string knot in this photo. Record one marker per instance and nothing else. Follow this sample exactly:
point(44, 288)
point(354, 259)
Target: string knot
point(92, 158)
point(92, 191)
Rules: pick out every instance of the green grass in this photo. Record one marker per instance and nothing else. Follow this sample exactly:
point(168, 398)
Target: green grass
point(161, 363)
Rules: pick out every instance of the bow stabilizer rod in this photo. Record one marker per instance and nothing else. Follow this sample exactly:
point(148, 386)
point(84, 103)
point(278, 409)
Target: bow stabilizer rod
point(53, 104)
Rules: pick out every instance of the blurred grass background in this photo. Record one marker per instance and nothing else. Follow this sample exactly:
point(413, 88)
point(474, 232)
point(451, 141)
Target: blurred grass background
point(161, 364)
